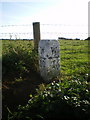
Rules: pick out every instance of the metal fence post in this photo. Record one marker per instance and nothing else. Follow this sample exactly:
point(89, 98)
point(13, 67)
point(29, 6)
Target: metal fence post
point(36, 34)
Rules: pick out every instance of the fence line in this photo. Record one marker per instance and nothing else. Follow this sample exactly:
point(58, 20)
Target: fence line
point(45, 33)
point(15, 25)
point(44, 24)
point(48, 31)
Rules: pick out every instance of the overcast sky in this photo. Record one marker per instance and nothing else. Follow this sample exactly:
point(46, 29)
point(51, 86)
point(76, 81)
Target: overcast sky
point(65, 12)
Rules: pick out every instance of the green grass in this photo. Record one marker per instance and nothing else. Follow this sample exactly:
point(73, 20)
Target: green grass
point(72, 93)
point(19, 58)
point(74, 58)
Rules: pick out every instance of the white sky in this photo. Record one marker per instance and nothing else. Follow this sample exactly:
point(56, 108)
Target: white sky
point(72, 15)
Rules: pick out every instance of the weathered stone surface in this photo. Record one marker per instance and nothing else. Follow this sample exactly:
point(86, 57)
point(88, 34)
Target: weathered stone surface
point(49, 59)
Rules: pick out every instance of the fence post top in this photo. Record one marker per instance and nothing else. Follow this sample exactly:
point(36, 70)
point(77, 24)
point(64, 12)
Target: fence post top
point(36, 22)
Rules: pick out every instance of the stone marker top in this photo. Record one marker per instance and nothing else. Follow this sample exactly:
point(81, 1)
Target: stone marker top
point(48, 42)
point(49, 49)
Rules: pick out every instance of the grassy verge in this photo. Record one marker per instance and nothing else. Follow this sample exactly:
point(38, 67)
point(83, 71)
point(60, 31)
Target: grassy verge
point(21, 78)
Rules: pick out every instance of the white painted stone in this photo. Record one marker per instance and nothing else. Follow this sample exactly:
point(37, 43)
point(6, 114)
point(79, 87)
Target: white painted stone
point(49, 59)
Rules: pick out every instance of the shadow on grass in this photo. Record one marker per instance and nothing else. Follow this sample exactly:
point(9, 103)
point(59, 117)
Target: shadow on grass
point(19, 78)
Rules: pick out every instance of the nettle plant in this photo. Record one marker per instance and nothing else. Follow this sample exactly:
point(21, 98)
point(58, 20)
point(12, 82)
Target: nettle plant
point(58, 100)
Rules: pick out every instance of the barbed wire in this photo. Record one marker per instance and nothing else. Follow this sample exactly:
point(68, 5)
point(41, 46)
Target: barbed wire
point(15, 25)
point(83, 25)
point(46, 33)
point(17, 33)
point(63, 33)
point(51, 29)
point(66, 24)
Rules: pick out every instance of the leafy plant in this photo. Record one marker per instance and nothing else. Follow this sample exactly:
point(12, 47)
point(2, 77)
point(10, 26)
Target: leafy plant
point(19, 58)
point(66, 100)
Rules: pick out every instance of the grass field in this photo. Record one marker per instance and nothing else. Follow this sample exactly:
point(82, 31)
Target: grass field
point(21, 70)
point(74, 58)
